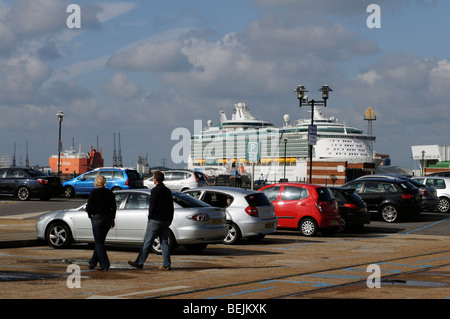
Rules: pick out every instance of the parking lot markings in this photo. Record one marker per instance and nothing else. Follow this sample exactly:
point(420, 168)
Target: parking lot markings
point(240, 293)
point(315, 284)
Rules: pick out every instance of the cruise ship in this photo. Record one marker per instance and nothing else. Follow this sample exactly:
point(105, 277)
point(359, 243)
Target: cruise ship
point(283, 151)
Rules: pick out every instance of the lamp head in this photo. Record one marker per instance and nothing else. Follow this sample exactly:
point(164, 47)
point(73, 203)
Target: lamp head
point(325, 91)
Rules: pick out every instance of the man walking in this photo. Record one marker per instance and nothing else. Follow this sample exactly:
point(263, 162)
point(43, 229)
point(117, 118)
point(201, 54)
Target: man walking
point(160, 215)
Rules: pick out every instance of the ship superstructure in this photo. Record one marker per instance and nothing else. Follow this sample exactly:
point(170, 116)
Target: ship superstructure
point(73, 162)
point(283, 151)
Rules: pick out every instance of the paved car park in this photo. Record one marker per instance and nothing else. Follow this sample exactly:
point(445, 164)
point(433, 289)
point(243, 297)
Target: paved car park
point(412, 258)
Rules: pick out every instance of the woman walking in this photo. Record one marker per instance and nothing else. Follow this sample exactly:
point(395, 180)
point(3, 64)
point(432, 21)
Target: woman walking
point(101, 209)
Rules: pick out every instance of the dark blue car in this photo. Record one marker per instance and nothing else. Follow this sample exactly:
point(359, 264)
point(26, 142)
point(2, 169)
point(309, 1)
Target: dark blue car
point(116, 179)
point(25, 183)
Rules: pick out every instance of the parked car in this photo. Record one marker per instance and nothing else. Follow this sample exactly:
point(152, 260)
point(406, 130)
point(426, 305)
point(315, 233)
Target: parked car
point(390, 198)
point(180, 180)
point(249, 214)
point(117, 178)
point(195, 224)
point(442, 186)
point(428, 193)
point(308, 208)
point(27, 183)
point(443, 174)
point(352, 208)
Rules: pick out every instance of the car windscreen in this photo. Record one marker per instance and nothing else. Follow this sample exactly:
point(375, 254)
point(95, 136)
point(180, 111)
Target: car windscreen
point(325, 194)
point(187, 201)
point(258, 199)
point(416, 183)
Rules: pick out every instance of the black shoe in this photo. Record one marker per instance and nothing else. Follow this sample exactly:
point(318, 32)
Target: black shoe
point(135, 265)
point(91, 267)
point(168, 268)
point(104, 269)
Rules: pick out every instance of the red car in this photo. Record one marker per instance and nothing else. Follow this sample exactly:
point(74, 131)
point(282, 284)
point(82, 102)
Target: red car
point(308, 208)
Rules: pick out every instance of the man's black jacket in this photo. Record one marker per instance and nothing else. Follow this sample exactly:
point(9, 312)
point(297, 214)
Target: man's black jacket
point(161, 204)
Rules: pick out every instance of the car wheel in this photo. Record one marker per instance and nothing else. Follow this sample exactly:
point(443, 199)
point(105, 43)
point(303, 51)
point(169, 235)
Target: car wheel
point(116, 188)
point(389, 213)
point(344, 226)
point(69, 192)
point(23, 193)
point(156, 247)
point(234, 234)
point(308, 227)
point(58, 235)
point(444, 205)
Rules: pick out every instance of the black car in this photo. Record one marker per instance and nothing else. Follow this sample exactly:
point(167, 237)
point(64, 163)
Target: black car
point(352, 208)
point(428, 193)
point(25, 183)
point(392, 199)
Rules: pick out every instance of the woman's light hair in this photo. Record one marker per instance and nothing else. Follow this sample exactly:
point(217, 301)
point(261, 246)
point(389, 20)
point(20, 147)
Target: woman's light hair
point(100, 181)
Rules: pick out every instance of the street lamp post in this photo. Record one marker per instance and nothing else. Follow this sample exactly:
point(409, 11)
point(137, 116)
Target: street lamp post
point(312, 131)
point(60, 116)
point(285, 144)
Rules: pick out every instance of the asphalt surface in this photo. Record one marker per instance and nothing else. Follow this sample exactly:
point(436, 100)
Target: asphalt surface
point(413, 256)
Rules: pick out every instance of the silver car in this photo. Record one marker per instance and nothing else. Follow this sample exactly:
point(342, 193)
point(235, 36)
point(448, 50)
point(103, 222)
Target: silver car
point(442, 186)
point(180, 180)
point(195, 224)
point(250, 213)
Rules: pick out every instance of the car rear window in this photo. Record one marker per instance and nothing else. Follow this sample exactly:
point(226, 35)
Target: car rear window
point(258, 199)
point(325, 194)
point(408, 185)
point(187, 201)
point(200, 176)
point(350, 194)
point(35, 173)
point(132, 174)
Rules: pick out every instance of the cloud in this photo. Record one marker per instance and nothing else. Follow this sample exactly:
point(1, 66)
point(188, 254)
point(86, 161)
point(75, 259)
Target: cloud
point(37, 17)
point(120, 86)
point(409, 95)
point(305, 8)
point(370, 77)
point(24, 77)
point(164, 56)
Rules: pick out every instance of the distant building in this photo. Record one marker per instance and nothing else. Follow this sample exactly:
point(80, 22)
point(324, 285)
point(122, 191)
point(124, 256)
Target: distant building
point(142, 165)
point(432, 158)
point(5, 161)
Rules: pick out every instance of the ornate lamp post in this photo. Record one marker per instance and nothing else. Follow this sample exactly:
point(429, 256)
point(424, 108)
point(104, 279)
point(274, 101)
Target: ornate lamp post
point(312, 132)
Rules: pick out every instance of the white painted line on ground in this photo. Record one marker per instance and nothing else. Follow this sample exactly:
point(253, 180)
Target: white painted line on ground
point(138, 293)
point(23, 216)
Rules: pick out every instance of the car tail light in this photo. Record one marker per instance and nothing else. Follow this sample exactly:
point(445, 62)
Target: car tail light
point(252, 211)
point(407, 196)
point(196, 178)
point(127, 182)
point(43, 181)
point(199, 217)
point(424, 192)
point(319, 206)
point(350, 205)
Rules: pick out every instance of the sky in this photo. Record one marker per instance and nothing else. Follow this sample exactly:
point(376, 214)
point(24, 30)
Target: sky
point(144, 68)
